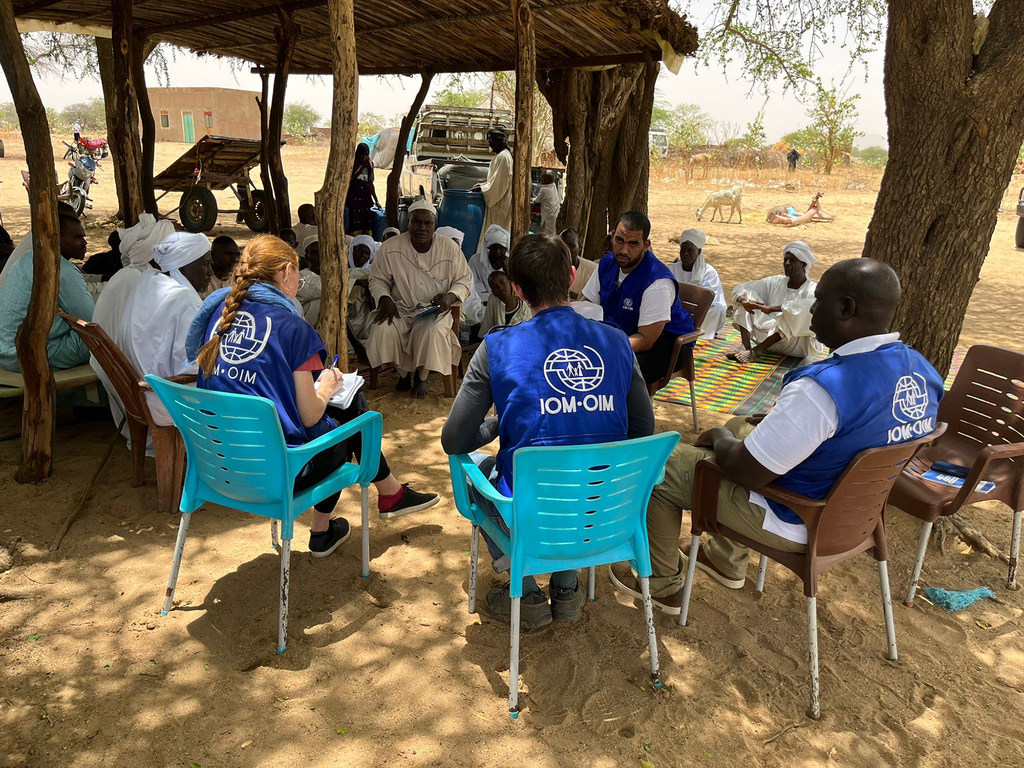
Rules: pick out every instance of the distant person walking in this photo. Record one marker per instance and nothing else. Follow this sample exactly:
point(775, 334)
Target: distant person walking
point(793, 158)
point(77, 130)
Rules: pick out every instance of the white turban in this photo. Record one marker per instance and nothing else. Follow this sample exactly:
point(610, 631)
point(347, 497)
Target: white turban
point(308, 242)
point(390, 231)
point(694, 236)
point(362, 240)
point(137, 242)
point(177, 250)
point(496, 235)
point(422, 205)
point(800, 250)
point(455, 234)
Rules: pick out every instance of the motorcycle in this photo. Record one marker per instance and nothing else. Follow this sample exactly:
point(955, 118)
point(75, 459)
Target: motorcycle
point(81, 177)
point(85, 147)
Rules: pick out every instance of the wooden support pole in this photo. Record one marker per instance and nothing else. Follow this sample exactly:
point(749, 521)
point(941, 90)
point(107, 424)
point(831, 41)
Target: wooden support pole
point(105, 64)
point(124, 138)
point(269, 202)
point(526, 74)
point(395, 176)
point(37, 421)
point(141, 48)
point(287, 33)
point(330, 200)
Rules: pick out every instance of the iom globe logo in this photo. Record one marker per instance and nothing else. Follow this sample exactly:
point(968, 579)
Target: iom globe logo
point(570, 370)
point(241, 343)
point(910, 400)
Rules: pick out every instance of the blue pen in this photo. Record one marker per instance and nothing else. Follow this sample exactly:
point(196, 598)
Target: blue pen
point(335, 363)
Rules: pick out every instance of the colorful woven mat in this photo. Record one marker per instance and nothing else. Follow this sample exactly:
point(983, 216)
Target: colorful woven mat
point(741, 390)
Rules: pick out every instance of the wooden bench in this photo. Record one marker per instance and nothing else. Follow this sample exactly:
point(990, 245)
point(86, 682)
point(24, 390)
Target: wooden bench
point(13, 384)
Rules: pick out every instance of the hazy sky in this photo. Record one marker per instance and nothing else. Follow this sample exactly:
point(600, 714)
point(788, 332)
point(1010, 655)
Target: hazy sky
point(725, 96)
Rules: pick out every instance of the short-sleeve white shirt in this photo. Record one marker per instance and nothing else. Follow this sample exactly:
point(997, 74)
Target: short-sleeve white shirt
point(655, 305)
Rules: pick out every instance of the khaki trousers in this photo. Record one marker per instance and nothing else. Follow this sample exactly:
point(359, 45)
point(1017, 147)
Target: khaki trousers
point(665, 518)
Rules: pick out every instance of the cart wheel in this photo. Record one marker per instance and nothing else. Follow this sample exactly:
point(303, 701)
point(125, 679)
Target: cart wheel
point(255, 218)
point(1020, 232)
point(198, 210)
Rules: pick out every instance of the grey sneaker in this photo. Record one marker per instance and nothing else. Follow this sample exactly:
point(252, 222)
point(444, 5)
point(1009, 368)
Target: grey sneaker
point(534, 611)
point(567, 604)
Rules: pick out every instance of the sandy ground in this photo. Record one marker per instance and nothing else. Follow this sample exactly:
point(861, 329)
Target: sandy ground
point(393, 671)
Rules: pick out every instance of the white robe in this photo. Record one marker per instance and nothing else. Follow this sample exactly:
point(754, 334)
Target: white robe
point(792, 323)
point(498, 194)
point(714, 320)
point(550, 202)
point(156, 319)
point(310, 295)
point(480, 288)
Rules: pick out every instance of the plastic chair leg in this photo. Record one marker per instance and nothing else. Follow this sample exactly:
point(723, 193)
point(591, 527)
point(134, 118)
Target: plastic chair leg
point(652, 640)
point(474, 553)
point(513, 661)
point(693, 407)
point(814, 712)
point(691, 567)
point(282, 621)
point(366, 530)
point(890, 628)
point(762, 570)
point(179, 550)
point(274, 541)
point(1011, 579)
point(922, 547)
point(592, 583)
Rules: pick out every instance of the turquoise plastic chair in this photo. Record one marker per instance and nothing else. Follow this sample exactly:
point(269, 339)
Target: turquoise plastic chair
point(576, 506)
point(237, 457)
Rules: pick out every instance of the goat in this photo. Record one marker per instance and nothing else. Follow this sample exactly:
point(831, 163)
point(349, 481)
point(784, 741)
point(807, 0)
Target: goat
point(731, 197)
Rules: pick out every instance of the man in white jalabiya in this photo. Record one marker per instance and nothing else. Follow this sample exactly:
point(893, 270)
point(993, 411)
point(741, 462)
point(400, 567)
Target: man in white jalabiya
point(161, 307)
point(498, 187)
point(416, 279)
point(773, 314)
point(691, 268)
point(491, 257)
point(136, 252)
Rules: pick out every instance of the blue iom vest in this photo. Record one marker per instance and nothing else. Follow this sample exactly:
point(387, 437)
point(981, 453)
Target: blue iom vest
point(621, 303)
point(258, 354)
point(557, 379)
point(887, 396)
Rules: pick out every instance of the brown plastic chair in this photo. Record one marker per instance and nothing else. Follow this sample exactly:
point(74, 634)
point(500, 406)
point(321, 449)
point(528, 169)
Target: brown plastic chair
point(451, 380)
point(848, 521)
point(985, 412)
point(131, 389)
point(697, 301)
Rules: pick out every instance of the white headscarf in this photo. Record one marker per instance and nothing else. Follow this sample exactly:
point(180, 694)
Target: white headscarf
point(800, 250)
point(362, 240)
point(496, 235)
point(177, 250)
point(137, 242)
point(455, 234)
point(422, 205)
point(698, 239)
point(308, 242)
point(388, 231)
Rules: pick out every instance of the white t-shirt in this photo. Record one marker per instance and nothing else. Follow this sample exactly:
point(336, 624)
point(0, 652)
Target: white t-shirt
point(803, 418)
point(656, 304)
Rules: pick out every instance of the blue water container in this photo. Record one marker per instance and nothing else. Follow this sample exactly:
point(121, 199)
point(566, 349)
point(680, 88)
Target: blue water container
point(464, 210)
point(380, 223)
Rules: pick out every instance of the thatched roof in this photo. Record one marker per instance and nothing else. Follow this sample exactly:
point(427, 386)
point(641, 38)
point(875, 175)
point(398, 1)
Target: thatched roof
point(395, 37)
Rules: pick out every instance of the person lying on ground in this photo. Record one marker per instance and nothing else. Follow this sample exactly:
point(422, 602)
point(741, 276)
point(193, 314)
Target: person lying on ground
point(691, 268)
point(510, 370)
point(639, 295)
point(788, 216)
point(826, 414)
point(504, 307)
point(285, 361)
point(773, 314)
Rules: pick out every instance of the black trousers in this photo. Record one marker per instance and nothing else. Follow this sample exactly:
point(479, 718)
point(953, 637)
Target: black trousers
point(323, 464)
point(654, 361)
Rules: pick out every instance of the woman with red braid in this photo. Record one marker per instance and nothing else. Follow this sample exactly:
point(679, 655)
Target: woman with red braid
point(249, 339)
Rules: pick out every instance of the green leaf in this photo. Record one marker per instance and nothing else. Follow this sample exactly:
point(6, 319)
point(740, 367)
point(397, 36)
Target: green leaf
point(206, 666)
point(646, 764)
point(194, 765)
point(33, 638)
point(343, 730)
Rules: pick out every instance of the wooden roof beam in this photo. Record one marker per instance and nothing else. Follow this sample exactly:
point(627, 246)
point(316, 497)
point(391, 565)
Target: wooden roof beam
point(222, 18)
point(36, 6)
point(560, 63)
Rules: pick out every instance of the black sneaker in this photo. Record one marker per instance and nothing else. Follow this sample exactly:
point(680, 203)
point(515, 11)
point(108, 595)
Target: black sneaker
point(324, 543)
point(411, 501)
point(567, 604)
point(534, 611)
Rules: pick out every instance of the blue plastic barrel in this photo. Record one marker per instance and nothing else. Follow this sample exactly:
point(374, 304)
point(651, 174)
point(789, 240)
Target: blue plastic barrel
point(380, 223)
point(464, 210)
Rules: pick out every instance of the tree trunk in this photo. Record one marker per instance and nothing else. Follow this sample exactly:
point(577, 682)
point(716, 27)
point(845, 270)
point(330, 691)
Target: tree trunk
point(141, 48)
point(37, 421)
point(955, 127)
point(526, 74)
point(105, 64)
point(269, 203)
point(330, 200)
point(589, 111)
point(287, 33)
point(124, 130)
point(395, 176)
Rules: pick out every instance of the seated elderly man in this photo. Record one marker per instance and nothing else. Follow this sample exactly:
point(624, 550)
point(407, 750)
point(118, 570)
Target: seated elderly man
point(63, 348)
point(639, 295)
point(692, 269)
point(826, 414)
point(415, 281)
point(773, 314)
point(161, 307)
